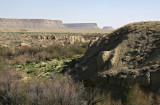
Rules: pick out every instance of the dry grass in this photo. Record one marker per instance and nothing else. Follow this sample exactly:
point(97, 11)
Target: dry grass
point(136, 96)
point(59, 91)
point(62, 90)
point(55, 30)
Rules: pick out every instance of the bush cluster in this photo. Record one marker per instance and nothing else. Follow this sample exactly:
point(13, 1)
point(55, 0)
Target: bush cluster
point(21, 55)
point(59, 91)
point(62, 90)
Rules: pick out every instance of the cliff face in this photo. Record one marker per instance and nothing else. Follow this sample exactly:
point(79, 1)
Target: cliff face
point(31, 23)
point(82, 26)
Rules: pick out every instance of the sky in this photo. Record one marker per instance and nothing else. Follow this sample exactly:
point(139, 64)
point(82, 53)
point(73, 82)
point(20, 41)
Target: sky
point(115, 13)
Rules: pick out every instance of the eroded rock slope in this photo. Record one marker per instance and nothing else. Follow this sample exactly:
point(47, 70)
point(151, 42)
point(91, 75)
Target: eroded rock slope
point(129, 55)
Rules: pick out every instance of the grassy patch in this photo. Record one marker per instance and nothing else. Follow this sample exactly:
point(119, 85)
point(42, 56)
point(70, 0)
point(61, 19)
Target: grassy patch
point(45, 69)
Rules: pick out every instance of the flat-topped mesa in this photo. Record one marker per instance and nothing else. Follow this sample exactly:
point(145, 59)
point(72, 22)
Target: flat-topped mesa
point(108, 28)
point(82, 25)
point(31, 23)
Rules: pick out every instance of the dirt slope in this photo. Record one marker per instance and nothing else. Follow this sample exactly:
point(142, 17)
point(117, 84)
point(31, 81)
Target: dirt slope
point(129, 55)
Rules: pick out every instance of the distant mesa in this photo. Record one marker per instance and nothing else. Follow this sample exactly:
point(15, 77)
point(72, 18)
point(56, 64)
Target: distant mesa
point(108, 28)
point(81, 26)
point(31, 23)
point(45, 24)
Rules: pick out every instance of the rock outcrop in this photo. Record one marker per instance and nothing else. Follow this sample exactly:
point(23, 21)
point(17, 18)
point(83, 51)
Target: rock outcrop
point(127, 56)
point(45, 38)
point(81, 26)
point(31, 23)
point(62, 38)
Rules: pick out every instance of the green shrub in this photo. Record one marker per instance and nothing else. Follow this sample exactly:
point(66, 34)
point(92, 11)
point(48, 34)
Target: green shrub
point(21, 55)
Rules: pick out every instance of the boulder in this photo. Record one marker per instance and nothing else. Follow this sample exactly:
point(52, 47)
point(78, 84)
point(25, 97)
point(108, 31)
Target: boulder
point(103, 58)
point(25, 45)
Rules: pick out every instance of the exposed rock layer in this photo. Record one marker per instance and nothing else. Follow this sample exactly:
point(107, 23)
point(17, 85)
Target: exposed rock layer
point(127, 56)
point(31, 23)
point(44, 38)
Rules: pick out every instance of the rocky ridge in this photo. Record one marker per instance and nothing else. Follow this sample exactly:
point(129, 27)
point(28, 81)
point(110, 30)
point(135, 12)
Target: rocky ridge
point(127, 56)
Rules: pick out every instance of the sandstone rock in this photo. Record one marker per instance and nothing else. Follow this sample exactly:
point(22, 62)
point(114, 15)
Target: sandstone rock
point(92, 41)
point(74, 39)
point(25, 45)
point(127, 56)
point(103, 58)
point(44, 39)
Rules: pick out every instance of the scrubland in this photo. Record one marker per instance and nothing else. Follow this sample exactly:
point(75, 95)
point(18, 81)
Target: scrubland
point(62, 90)
point(36, 76)
point(33, 76)
point(55, 30)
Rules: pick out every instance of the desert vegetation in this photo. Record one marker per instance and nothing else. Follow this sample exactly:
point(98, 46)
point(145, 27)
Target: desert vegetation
point(63, 90)
point(22, 55)
point(60, 89)
point(41, 61)
point(55, 30)
point(46, 75)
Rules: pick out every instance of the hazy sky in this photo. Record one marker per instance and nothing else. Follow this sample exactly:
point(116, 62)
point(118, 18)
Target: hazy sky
point(114, 13)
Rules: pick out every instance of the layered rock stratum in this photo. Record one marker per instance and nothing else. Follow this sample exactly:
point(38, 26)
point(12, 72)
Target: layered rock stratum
point(127, 56)
point(81, 25)
point(31, 23)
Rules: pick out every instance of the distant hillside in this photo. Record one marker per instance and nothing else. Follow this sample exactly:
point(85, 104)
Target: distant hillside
point(31, 23)
point(81, 25)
